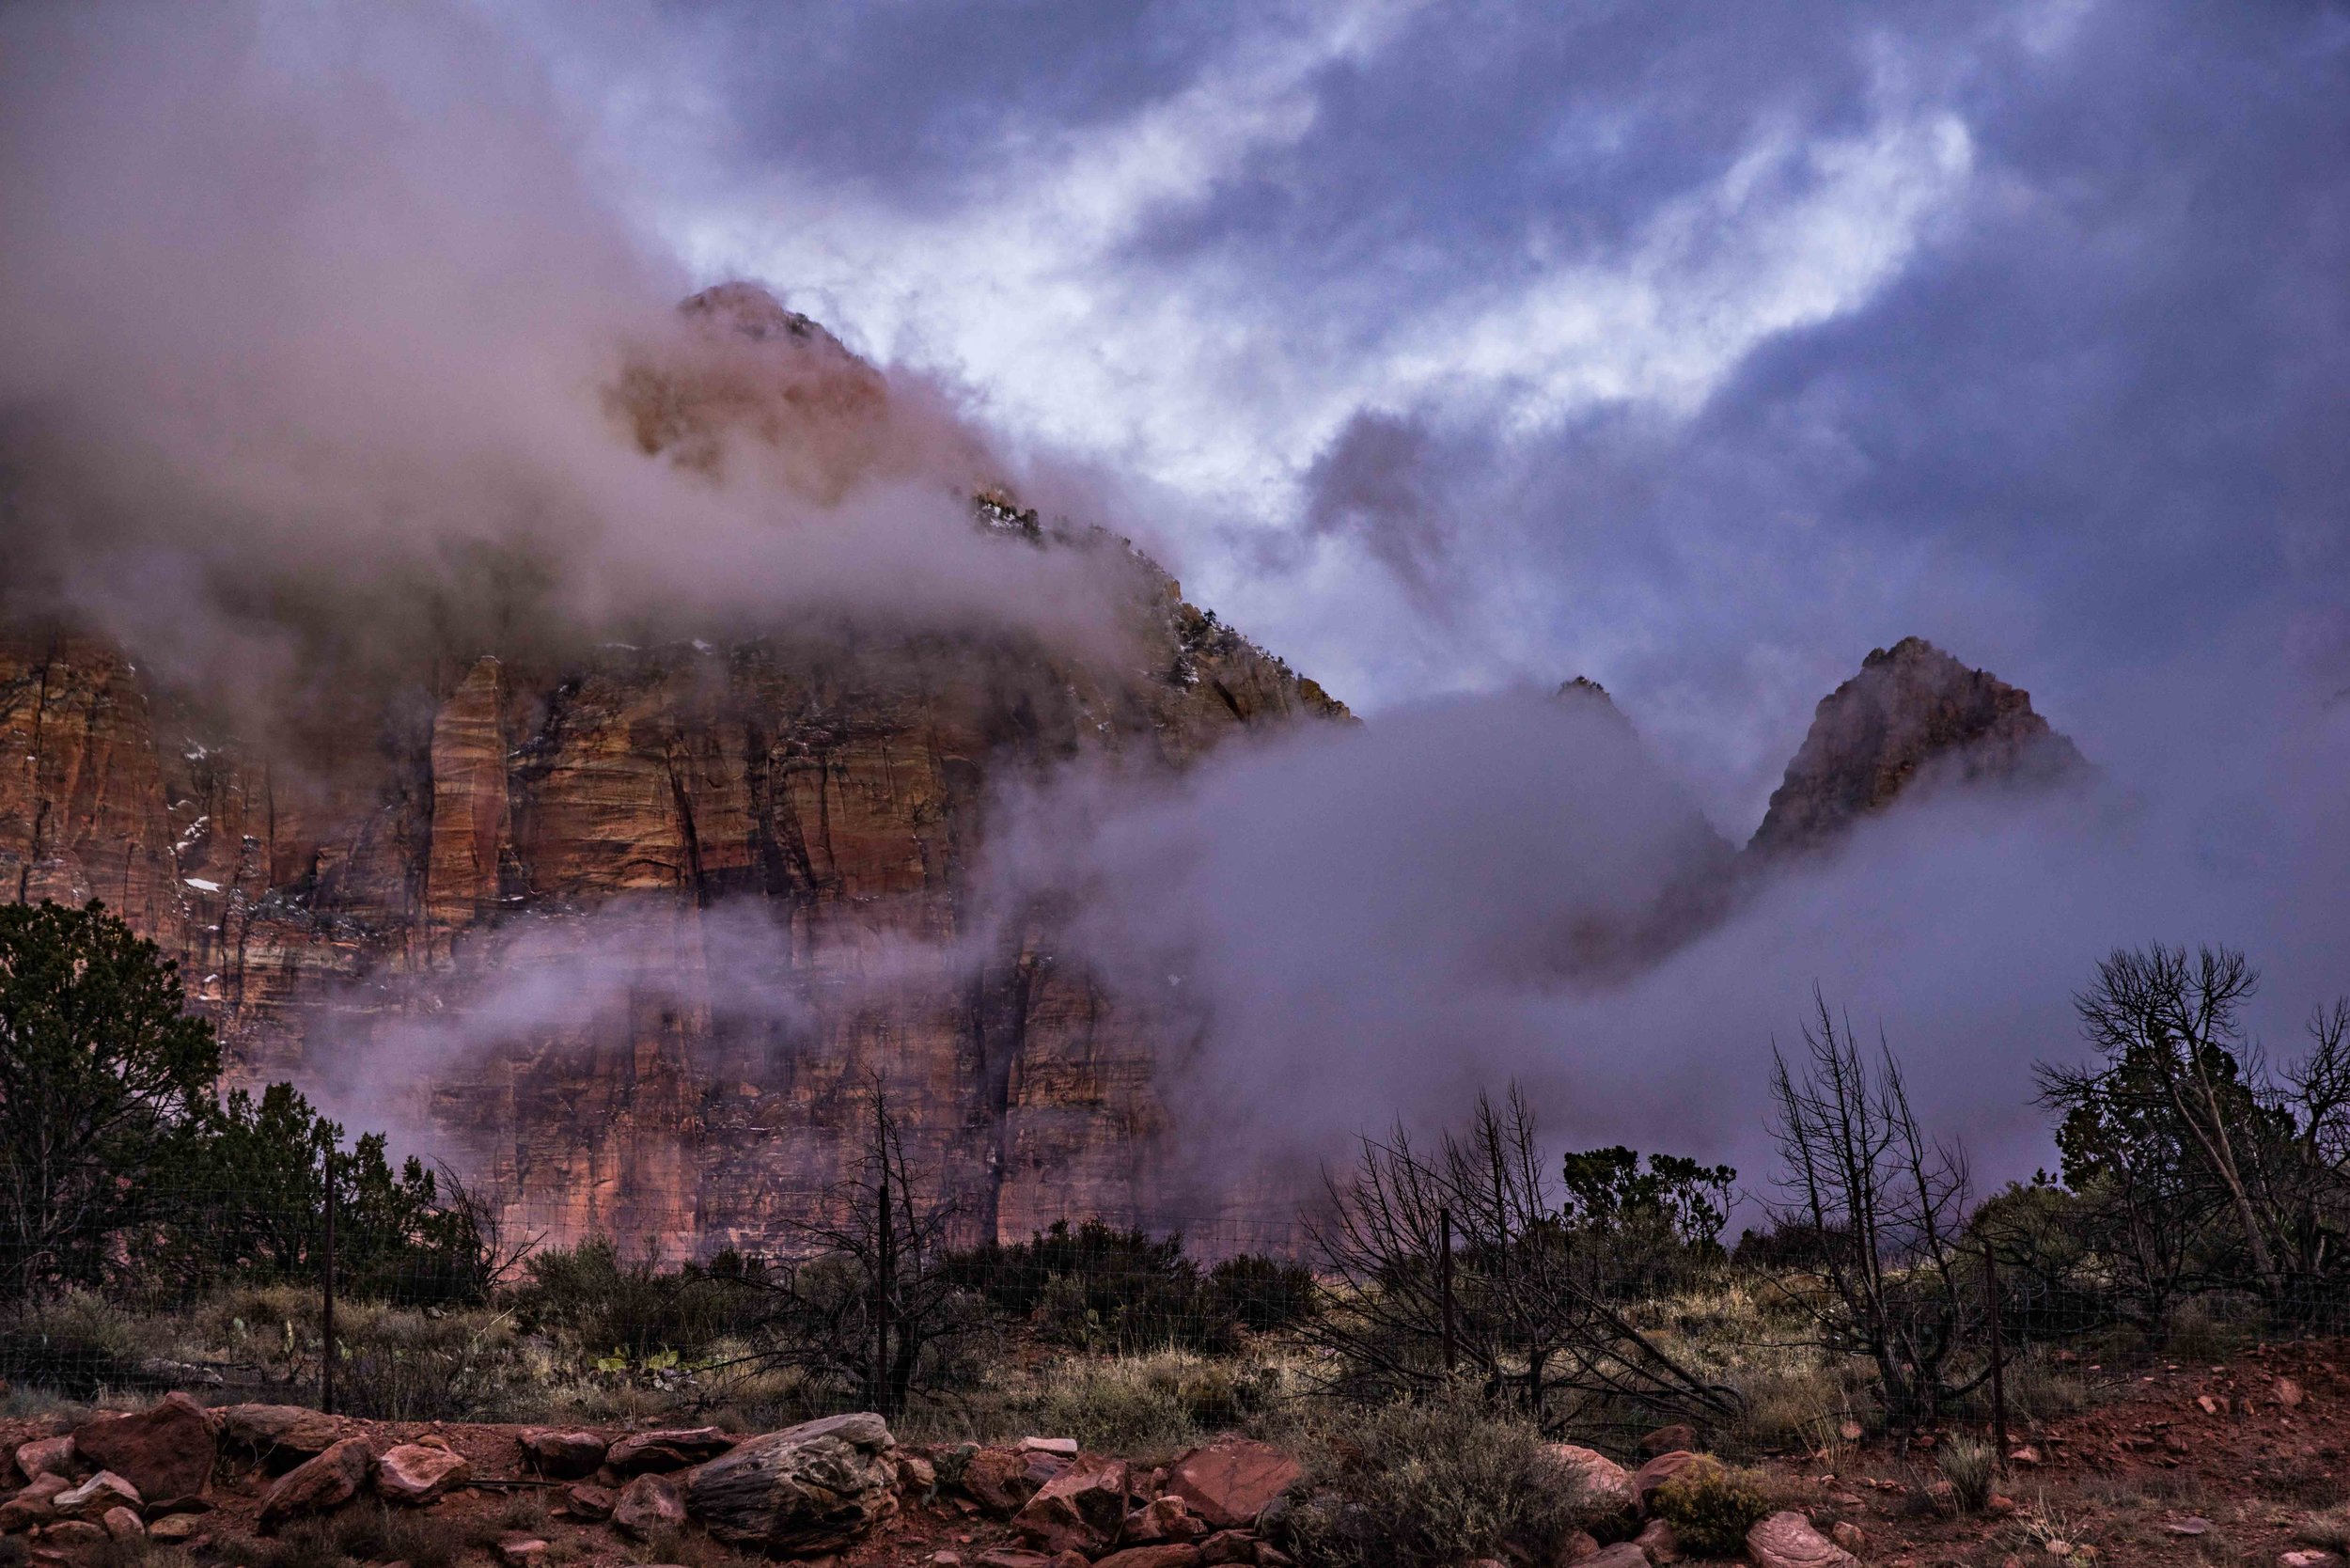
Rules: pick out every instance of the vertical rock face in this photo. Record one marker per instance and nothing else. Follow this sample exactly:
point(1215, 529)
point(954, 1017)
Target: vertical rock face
point(1913, 720)
point(641, 936)
point(81, 811)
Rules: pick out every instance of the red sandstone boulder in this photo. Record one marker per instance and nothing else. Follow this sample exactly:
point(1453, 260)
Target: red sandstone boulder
point(1174, 1555)
point(590, 1503)
point(1081, 1510)
point(649, 1505)
point(165, 1450)
point(91, 1499)
point(318, 1485)
point(1624, 1554)
point(676, 1449)
point(415, 1473)
point(1788, 1541)
point(281, 1435)
point(1001, 1481)
point(1667, 1439)
point(1164, 1519)
point(122, 1524)
point(809, 1489)
point(566, 1455)
point(1649, 1477)
point(35, 1505)
point(1228, 1547)
point(72, 1534)
point(1606, 1485)
point(45, 1456)
point(1230, 1481)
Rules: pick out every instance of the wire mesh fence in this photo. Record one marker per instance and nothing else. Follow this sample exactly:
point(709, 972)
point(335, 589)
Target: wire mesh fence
point(347, 1300)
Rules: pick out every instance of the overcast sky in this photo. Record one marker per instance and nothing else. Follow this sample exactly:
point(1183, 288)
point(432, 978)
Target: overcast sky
point(1696, 347)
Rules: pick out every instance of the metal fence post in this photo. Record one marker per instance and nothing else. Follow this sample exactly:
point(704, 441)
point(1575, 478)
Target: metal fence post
point(884, 1266)
point(1999, 1368)
point(326, 1296)
point(1444, 1289)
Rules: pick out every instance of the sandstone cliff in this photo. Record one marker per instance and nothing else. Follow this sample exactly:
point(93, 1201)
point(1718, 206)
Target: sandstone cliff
point(1914, 720)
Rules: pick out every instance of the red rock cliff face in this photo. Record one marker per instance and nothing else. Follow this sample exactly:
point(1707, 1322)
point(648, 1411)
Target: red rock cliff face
point(639, 937)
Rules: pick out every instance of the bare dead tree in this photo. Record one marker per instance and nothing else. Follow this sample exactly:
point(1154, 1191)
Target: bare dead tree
point(873, 1307)
point(1528, 1317)
point(1890, 1208)
point(2170, 1032)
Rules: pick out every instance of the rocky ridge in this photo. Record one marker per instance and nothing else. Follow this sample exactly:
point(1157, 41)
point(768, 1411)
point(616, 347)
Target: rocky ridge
point(747, 871)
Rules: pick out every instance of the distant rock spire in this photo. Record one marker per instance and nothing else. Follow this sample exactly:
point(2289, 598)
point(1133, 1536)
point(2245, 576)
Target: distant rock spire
point(1914, 720)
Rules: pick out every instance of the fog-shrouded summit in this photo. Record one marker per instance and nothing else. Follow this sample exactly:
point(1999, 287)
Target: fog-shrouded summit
point(1914, 720)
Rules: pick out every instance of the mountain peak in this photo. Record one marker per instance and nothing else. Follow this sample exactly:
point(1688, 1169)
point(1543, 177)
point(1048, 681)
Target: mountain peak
point(1913, 720)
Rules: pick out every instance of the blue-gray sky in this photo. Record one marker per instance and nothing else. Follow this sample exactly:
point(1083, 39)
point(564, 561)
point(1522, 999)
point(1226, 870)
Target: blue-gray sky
point(1451, 349)
point(1696, 347)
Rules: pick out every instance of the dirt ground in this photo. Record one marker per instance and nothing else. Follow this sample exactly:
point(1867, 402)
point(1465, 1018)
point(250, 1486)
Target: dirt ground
point(2181, 1464)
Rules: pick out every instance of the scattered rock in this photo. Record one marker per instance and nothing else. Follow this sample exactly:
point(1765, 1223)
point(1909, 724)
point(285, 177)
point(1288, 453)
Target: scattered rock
point(46, 1456)
point(1624, 1554)
point(167, 1451)
point(592, 1503)
point(649, 1505)
point(1849, 1536)
point(2288, 1393)
point(413, 1473)
point(1580, 1547)
point(176, 1526)
point(1228, 1546)
point(671, 1450)
point(1014, 1557)
point(1606, 1484)
point(566, 1455)
point(2024, 1454)
point(1166, 1519)
point(1657, 1540)
point(2306, 1560)
point(317, 1485)
point(916, 1474)
point(520, 1551)
point(815, 1487)
point(1657, 1472)
point(1065, 1447)
point(72, 1532)
point(122, 1524)
point(1849, 1430)
point(1001, 1481)
point(1229, 1482)
point(1080, 1510)
point(1787, 1540)
point(1180, 1554)
point(283, 1435)
point(35, 1505)
point(1665, 1439)
point(2211, 1406)
point(2190, 1525)
point(101, 1492)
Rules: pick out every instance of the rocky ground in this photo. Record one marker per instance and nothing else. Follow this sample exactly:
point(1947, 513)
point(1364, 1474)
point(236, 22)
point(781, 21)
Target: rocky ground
point(2183, 1464)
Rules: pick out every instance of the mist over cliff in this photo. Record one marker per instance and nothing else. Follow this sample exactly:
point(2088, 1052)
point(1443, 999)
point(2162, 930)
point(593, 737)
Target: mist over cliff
point(633, 731)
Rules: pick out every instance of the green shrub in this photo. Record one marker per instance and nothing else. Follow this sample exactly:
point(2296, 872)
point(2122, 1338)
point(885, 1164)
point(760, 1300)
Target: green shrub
point(1264, 1293)
point(1969, 1464)
point(72, 1342)
point(1428, 1486)
point(2328, 1531)
point(605, 1302)
point(1711, 1507)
